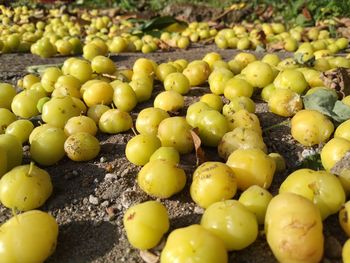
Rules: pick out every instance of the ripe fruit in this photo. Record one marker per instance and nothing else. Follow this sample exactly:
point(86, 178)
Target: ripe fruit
point(95, 112)
point(169, 101)
point(235, 224)
point(80, 124)
point(285, 102)
point(47, 147)
point(155, 182)
point(24, 104)
point(205, 246)
point(343, 130)
point(80, 69)
point(99, 92)
point(245, 119)
point(13, 149)
point(81, 146)
point(145, 224)
point(237, 87)
point(166, 153)
point(49, 78)
point(141, 147)
point(124, 97)
point(214, 101)
point(251, 167)
point(333, 151)
point(28, 237)
point(240, 138)
point(114, 121)
point(7, 117)
point(258, 74)
point(175, 132)
point(293, 223)
point(212, 126)
point(148, 120)
point(102, 64)
point(212, 182)
point(197, 72)
point(193, 111)
point(321, 187)
point(237, 104)
point(7, 92)
point(21, 129)
point(178, 82)
point(310, 127)
point(256, 199)
point(291, 79)
point(59, 110)
point(25, 187)
point(217, 80)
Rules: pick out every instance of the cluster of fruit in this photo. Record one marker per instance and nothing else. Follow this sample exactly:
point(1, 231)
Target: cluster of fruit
point(90, 94)
point(278, 37)
point(235, 130)
point(61, 34)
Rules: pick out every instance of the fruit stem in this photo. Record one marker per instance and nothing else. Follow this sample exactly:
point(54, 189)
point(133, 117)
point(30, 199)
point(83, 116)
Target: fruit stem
point(282, 123)
point(31, 166)
point(134, 131)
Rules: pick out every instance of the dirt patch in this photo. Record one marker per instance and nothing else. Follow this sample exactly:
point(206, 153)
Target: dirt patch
point(90, 198)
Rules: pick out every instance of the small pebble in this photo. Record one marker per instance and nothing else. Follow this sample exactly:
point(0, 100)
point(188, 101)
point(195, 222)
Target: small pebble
point(103, 159)
point(93, 200)
point(105, 203)
point(26, 148)
point(110, 176)
point(198, 210)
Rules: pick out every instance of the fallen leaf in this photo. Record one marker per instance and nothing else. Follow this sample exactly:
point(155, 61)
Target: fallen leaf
point(337, 79)
point(306, 13)
point(200, 154)
point(275, 46)
point(149, 257)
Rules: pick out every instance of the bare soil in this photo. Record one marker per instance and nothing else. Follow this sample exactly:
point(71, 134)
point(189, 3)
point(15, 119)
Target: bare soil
point(90, 198)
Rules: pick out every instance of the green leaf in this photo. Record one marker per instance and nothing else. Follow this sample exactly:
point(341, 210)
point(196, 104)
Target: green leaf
point(321, 100)
point(159, 23)
point(326, 102)
point(342, 111)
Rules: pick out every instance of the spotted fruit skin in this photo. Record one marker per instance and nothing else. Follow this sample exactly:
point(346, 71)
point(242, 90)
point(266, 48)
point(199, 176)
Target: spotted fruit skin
point(310, 127)
point(193, 244)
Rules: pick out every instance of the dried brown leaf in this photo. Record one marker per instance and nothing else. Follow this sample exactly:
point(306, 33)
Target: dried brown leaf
point(306, 13)
point(337, 79)
point(149, 257)
point(200, 154)
point(275, 46)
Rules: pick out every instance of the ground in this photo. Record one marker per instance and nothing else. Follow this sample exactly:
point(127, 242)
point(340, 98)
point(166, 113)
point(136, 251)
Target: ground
point(89, 199)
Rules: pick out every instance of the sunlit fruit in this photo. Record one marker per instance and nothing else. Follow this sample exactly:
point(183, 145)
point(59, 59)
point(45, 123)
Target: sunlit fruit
point(293, 223)
point(81, 146)
point(25, 187)
point(114, 121)
point(155, 182)
point(310, 127)
point(28, 237)
point(212, 182)
point(205, 246)
point(175, 132)
point(252, 167)
point(256, 199)
point(145, 224)
point(141, 147)
point(234, 223)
